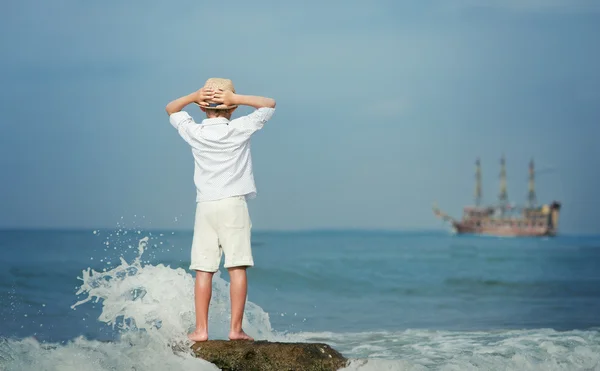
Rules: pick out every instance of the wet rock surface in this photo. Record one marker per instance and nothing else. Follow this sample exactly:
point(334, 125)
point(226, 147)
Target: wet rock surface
point(269, 356)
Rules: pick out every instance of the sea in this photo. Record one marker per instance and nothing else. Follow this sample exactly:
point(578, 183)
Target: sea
point(122, 299)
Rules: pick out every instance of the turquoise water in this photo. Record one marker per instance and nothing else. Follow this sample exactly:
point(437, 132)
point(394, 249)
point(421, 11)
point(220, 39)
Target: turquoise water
point(386, 300)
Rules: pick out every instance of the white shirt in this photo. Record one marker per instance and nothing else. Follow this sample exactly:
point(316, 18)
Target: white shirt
point(221, 149)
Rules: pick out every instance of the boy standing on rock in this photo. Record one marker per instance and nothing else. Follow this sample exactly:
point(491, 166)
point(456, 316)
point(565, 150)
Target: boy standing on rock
point(224, 181)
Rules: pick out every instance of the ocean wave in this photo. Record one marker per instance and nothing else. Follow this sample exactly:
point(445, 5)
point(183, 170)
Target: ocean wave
point(151, 306)
point(415, 350)
point(540, 349)
point(134, 352)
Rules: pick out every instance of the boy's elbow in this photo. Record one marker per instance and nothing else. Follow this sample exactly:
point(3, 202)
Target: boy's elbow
point(169, 110)
point(272, 103)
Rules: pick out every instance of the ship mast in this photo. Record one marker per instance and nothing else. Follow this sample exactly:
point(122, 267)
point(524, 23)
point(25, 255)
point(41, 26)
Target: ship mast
point(503, 196)
point(531, 196)
point(477, 183)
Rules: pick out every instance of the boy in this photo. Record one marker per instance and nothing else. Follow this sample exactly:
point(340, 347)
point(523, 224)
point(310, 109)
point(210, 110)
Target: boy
point(224, 180)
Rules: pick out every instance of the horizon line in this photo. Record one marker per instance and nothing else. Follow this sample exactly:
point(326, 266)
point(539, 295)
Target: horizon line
point(266, 230)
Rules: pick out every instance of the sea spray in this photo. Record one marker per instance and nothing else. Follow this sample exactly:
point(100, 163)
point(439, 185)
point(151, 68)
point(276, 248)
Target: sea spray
point(152, 308)
point(158, 300)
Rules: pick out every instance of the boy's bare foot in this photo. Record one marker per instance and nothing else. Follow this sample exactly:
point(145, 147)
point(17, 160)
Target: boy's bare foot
point(198, 336)
point(239, 335)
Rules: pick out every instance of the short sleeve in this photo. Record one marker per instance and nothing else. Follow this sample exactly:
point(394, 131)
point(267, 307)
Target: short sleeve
point(183, 122)
point(180, 118)
point(254, 121)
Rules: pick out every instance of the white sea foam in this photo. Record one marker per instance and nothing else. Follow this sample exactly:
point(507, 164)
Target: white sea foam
point(152, 306)
point(540, 349)
point(134, 353)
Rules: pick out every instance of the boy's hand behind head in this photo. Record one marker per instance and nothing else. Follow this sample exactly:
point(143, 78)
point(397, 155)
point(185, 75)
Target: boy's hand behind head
point(203, 95)
point(225, 97)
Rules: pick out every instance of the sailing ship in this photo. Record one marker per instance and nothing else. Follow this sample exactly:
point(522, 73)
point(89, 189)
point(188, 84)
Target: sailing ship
point(504, 219)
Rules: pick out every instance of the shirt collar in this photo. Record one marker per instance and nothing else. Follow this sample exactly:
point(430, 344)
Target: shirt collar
point(215, 121)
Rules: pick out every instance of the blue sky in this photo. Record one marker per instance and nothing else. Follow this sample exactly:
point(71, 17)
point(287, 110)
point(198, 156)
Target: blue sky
point(382, 108)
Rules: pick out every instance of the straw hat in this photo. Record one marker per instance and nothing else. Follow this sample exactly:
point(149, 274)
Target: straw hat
point(218, 83)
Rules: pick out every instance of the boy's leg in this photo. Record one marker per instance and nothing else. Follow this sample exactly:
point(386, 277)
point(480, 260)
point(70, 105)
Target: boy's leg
point(205, 260)
point(238, 290)
point(202, 295)
point(234, 235)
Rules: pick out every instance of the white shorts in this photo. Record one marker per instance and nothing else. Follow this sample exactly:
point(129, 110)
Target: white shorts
point(221, 226)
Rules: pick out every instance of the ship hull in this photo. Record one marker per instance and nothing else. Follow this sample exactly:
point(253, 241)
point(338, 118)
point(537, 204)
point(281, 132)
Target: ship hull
point(532, 222)
point(503, 231)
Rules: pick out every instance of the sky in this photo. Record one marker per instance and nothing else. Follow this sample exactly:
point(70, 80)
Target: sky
point(382, 108)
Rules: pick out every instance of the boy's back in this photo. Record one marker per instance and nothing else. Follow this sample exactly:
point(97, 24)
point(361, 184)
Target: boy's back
point(221, 149)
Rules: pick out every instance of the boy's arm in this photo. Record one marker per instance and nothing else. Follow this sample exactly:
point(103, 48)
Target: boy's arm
point(254, 101)
point(229, 98)
point(198, 96)
point(254, 121)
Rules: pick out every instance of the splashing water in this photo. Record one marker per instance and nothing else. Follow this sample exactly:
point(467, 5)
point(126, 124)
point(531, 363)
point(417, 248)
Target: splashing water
point(159, 300)
point(152, 307)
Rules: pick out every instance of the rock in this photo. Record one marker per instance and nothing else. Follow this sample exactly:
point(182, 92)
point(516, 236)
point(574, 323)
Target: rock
point(269, 356)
